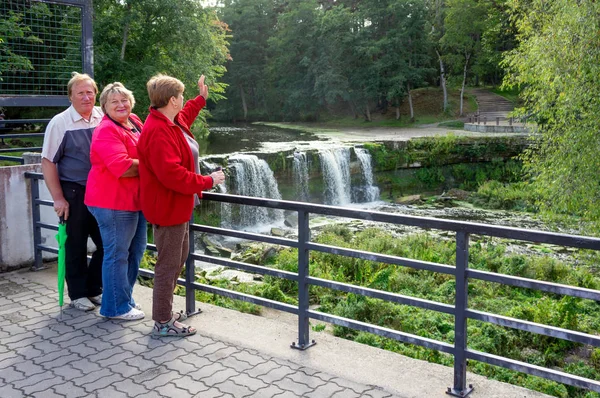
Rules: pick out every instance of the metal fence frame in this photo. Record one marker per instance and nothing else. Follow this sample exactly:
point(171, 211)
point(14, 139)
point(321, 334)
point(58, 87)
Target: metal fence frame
point(87, 57)
point(5, 124)
point(460, 270)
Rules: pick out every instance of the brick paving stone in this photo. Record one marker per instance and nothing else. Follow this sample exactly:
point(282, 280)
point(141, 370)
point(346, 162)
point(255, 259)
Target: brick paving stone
point(9, 361)
point(102, 382)
point(130, 388)
point(308, 371)
point(223, 353)
point(149, 374)
point(289, 364)
point(229, 387)
point(167, 352)
point(291, 385)
point(82, 350)
point(45, 333)
point(28, 368)
point(219, 377)
point(252, 383)
point(210, 349)
point(134, 347)
point(140, 363)
point(46, 394)
point(189, 384)
point(32, 380)
point(111, 326)
point(70, 390)
point(80, 339)
point(62, 360)
point(15, 338)
point(46, 347)
point(83, 323)
point(8, 391)
point(289, 394)
point(269, 391)
point(356, 387)
point(125, 336)
point(68, 372)
point(10, 375)
point(63, 338)
point(180, 366)
point(377, 393)
point(43, 385)
point(91, 377)
point(37, 323)
point(193, 359)
point(95, 331)
point(115, 359)
point(323, 376)
point(310, 381)
point(276, 374)
point(236, 364)
point(262, 369)
point(161, 380)
point(105, 354)
point(109, 392)
point(10, 308)
point(172, 390)
point(7, 355)
point(249, 357)
point(62, 329)
point(98, 344)
point(207, 371)
point(29, 352)
point(85, 366)
point(346, 394)
point(326, 390)
point(211, 393)
point(154, 394)
point(124, 369)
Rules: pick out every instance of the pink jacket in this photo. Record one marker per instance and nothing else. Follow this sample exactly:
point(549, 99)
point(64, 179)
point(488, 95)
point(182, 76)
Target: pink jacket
point(112, 152)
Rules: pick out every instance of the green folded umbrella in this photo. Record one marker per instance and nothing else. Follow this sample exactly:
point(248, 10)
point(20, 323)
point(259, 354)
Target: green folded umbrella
point(61, 237)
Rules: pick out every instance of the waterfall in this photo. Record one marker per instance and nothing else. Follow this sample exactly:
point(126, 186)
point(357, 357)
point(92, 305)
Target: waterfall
point(335, 166)
point(251, 176)
point(370, 191)
point(300, 171)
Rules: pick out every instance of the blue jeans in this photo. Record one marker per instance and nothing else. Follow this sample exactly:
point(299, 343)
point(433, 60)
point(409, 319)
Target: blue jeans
point(124, 238)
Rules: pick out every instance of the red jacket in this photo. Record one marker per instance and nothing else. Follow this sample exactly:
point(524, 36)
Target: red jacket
point(168, 180)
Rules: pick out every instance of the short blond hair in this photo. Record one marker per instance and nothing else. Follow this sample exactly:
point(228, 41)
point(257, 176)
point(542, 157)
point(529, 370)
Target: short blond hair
point(161, 88)
point(78, 78)
point(115, 88)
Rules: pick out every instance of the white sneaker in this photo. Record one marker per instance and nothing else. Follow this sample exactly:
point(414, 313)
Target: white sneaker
point(138, 307)
point(132, 315)
point(82, 304)
point(96, 300)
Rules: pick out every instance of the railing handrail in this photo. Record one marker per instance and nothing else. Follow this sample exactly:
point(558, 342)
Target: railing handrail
point(460, 271)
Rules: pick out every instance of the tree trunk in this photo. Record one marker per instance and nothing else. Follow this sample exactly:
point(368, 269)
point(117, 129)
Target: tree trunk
point(410, 104)
point(244, 105)
point(126, 31)
point(368, 112)
point(443, 80)
point(398, 111)
point(353, 109)
point(462, 89)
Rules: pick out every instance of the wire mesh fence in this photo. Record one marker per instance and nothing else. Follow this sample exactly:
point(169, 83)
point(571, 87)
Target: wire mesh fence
point(42, 45)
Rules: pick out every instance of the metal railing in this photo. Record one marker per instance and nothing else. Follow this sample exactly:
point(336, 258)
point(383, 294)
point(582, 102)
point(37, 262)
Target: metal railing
point(7, 125)
point(460, 271)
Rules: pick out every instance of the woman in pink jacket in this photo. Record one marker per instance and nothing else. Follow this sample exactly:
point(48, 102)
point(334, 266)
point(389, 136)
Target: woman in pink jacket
point(113, 198)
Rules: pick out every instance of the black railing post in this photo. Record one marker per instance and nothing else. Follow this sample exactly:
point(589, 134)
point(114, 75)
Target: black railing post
point(37, 230)
point(460, 388)
point(303, 300)
point(190, 275)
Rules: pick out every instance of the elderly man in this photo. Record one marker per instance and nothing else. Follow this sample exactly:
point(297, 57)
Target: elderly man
point(66, 164)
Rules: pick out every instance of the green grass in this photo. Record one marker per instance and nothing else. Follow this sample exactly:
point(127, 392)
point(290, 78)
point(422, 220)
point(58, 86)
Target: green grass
point(512, 95)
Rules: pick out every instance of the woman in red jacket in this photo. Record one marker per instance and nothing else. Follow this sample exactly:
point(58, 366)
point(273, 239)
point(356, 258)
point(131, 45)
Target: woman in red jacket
point(170, 185)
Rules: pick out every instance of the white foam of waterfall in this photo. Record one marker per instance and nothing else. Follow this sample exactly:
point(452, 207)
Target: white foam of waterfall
point(335, 166)
point(300, 175)
point(371, 192)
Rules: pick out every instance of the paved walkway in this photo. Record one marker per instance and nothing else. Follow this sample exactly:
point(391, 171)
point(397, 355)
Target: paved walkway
point(232, 355)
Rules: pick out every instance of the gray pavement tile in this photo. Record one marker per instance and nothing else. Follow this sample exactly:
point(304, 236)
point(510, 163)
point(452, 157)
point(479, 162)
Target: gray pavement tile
point(61, 360)
point(218, 377)
point(85, 366)
point(323, 376)
point(235, 364)
point(98, 344)
point(124, 369)
point(262, 369)
point(130, 388)
point(112, 326)
point(33, 379)
point(207, 371)
point(155, 394)
point(289, 394)
point(68, 372)
point(210, 349)
point(23, 343)
point(211, 393)
point(161, 379)
point(297, 388)
point(11, 329)
point(140, 363)
point(121, 337)
point(109, 392)
point(16, 337)
point(43, 385)
point(134, 347)
point(24, 294)
point(275, 374)
point(8, 391)
point(150, 373)
point(289, 364)
point(75, 341)
point(46, 347)
point(10, 308)
point(45, 394)
point(193, 359)
point(326, 390)
point(167, 353)
point(377, 393)
point(252, 383)
point(95, 331)
point(346, 394)
point(191, 385)
point(10, 375)
point(28, 368)
point(229, 387)
point(68, 336)
point(356, 387)
point(41, 322)
point(181, 367)
point(61, 328)
point(222, 353)
point(91, 377)
point(70, 390)
point(269, 391)
point(249, 357)
point(105, 354)
point(310, 381)
point(9, 361)
point(7, 355)
point(84, 322)
point(172, 390)
point(82, 350)
point(114, 359)
point(45, 333)
point(102, 382)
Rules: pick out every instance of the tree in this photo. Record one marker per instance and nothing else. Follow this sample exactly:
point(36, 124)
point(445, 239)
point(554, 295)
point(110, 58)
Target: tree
point(557, 64)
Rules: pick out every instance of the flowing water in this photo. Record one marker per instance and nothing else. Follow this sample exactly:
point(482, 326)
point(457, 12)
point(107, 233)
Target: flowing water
point(335, 166)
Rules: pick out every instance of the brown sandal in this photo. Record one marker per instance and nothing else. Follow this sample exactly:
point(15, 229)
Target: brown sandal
point(168, 329)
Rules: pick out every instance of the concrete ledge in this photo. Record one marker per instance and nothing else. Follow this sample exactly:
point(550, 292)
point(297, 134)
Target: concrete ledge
point(492, 128)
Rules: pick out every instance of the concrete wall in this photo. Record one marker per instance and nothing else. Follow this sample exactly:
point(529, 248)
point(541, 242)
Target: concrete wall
point(492, 128)
point(16, 230)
